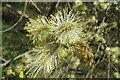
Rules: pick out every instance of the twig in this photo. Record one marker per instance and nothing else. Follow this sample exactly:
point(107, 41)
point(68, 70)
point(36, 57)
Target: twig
point(106, 13)
point(57, 4)
point(18, 20)
point(13, 25)
point(3, 59)
point(98, 61)
point(109, 66)
point(36, 7)
point(17, 12)
point(17, 57)
point(112, 66)
point(4, 64)
point(69, 6)
point(23, 54)
point(94, 65)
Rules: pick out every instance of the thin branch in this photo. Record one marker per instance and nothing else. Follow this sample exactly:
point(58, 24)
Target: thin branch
point(113, 66)
point(69, 5)
point(17, 57)
point(36, 7)
point(3, 59)
point(17, 12)
point(18, 20)
point(4, 64)
point(56, 6)
point(109, 66)
point(22, 55)
point(13, 25)
point(98, 61)
point(106, 13)
point(94, 65)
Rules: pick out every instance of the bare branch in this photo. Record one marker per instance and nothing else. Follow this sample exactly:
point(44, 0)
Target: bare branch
point(69, 5)
point(112, 65)
point(94, 65)
point(17, 57)
point(36, 7)
point(13, 25)
point(3, 59)
point(4, 64)
point(17, 12)
point(18, 20)
point(57, 4)
point(109, 66)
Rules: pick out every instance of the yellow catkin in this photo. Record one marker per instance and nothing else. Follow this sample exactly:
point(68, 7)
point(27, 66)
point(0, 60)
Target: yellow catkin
point(21, 75)
point(10, 72)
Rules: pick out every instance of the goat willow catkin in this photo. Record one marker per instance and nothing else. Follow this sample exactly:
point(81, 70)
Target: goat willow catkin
point(56, 41)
